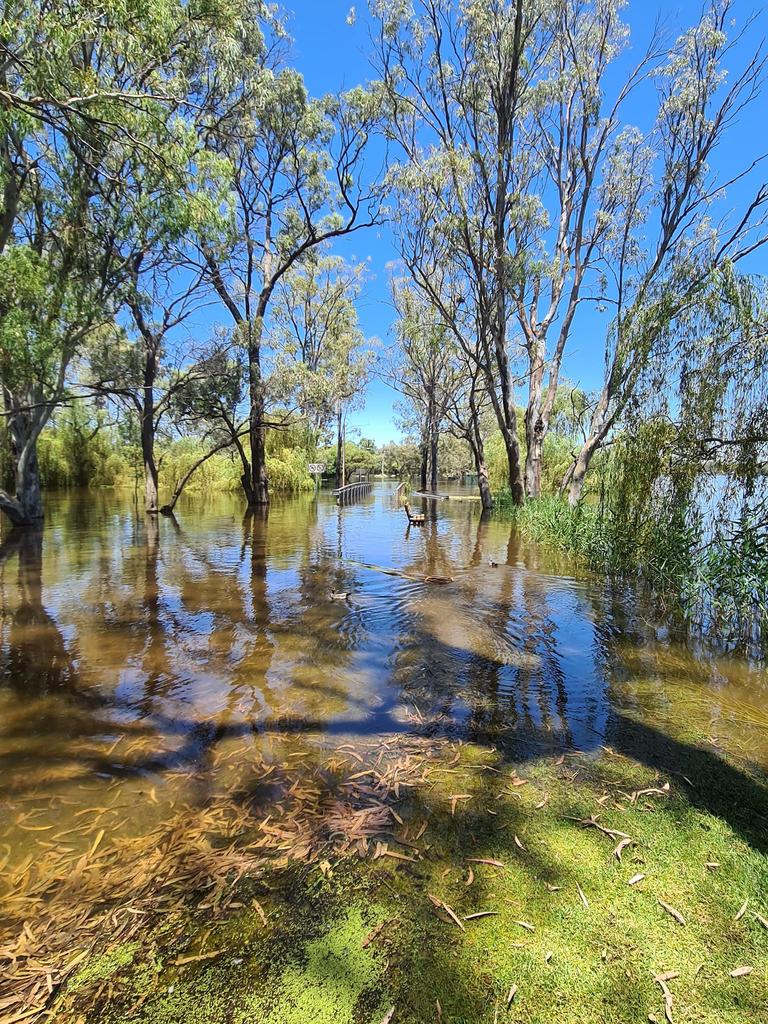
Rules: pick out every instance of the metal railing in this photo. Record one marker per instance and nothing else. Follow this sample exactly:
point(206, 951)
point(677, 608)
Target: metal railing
point(351, 492)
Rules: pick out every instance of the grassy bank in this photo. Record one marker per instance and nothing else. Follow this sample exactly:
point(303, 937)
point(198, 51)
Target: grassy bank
point(603, 888)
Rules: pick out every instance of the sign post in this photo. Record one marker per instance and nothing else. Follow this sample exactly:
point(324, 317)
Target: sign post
point(316, 468)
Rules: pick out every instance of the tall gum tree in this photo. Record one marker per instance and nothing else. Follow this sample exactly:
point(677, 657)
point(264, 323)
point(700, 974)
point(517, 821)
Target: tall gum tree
point(321, 358)
point(457, 77)
point(298, 181)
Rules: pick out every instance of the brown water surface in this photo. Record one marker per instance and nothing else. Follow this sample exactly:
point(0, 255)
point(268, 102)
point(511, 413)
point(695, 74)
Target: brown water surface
point(137, 655)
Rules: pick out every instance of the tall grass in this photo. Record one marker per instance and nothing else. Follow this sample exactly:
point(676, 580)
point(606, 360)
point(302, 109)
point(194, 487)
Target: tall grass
point(721, 586)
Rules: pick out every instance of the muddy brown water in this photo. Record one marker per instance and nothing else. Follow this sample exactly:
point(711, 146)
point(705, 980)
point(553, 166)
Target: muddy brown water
point(134, 652)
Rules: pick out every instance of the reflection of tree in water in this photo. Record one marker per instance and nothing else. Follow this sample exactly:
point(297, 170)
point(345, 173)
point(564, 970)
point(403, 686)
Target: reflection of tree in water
point(483, 656)
point(33, 653)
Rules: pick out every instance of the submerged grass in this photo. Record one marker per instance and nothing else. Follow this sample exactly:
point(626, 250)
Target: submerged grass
point(573, 932)
point(719, 585)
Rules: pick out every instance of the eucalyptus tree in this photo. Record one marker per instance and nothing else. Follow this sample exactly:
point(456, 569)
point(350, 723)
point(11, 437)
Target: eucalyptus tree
point(457, 78)
point(671, 230)
point(298, 181)
point(422, 369)
point(79, 130)
point(570, 128)
point(320, 356)
point(145, 366)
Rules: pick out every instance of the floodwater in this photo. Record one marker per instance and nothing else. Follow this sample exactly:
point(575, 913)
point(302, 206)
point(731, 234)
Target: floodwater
point(133, 651)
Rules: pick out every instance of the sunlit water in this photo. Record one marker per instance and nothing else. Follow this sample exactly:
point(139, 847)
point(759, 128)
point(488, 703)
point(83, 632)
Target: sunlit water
point(134, 651)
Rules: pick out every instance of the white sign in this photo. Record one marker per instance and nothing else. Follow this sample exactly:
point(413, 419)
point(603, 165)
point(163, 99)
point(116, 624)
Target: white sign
point(316, 467)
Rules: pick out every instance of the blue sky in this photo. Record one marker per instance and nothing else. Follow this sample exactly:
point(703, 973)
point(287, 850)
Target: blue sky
point(333, 55)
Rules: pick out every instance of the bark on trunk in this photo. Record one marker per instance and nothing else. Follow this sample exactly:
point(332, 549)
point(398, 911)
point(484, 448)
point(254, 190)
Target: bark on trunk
point(339, 448)
point(475, 438)
point(257, 490)
point(25, 507)
point(580, 469)
point(598, 431)
point(148, 430)
point(433, 443)
point(424, 465)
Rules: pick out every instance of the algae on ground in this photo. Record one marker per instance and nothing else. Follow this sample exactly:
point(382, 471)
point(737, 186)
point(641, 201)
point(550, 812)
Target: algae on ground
point(325, 987)
point(99, 968)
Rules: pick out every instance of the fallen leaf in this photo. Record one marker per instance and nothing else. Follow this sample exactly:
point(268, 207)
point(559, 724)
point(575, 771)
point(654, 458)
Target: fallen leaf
point(181, 960)
point(374, 934)
point(741, 911)
point(525, 924)
point(548, 956)
point(622, 846)
point(520, 844)
point(455, 799)
point(486, 860)
point(481, 913)
point(635, 879)
point(760, 918)
point(259, 910)
point(388, 1015)
point(713, 865)
point(441, 904)
point(672, 912)
point(739, 972)
point(511, 995)
point(582, 896)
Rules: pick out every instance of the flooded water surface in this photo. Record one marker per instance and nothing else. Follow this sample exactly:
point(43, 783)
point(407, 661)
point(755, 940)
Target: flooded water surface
point(140, 659)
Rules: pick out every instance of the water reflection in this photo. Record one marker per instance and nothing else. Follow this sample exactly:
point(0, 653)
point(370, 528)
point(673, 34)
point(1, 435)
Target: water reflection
point(132, 647)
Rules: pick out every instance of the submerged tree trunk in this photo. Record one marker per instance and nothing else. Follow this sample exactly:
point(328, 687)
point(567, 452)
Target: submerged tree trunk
point(424, 449)
point(25, 507)
point(339, 447)
point(258, 493)
point(433, 445)
point(148, 429)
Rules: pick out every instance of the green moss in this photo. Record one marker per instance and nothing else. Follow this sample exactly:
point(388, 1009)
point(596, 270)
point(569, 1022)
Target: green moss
point(580, 964)
point(104, 966)
point(325, 988)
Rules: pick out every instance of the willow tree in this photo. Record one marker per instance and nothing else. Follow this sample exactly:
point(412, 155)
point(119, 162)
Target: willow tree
point(688, 492)
point(79, 130)
point(299, 181)
point(671, 230)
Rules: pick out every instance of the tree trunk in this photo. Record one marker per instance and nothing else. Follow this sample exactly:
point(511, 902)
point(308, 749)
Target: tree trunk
point(424, 464)
point(474, 436)
point(598, 430)
point(25, 507)
point(433, 443)
point(580, 469)
point(257, 492)
point(339, 448)
point(148, 428)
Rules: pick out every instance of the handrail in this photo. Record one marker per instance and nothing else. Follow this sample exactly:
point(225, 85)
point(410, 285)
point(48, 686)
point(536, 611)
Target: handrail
point(351, 491)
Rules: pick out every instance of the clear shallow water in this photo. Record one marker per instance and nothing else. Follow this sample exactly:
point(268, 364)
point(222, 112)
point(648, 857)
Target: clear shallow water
point(134, 653)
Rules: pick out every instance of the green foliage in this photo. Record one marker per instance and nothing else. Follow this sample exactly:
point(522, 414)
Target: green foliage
point(79, 450)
